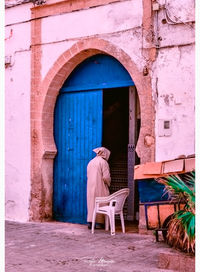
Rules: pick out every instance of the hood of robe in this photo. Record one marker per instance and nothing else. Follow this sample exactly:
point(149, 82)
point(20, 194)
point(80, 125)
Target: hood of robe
point(102, 152)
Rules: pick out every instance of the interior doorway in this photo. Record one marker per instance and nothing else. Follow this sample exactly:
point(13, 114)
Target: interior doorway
point(116, 137)
point(116, 121)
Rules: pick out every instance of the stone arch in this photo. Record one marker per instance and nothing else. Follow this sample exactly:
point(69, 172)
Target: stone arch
point(43, 145)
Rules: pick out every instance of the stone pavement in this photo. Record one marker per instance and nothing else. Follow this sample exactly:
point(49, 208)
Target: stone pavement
point(65, 247)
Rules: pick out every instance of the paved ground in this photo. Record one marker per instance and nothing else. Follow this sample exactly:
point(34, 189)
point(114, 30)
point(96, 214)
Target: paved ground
point(64, 247)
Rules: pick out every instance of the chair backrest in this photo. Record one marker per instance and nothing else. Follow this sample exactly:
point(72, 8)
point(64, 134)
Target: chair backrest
point(120, 197)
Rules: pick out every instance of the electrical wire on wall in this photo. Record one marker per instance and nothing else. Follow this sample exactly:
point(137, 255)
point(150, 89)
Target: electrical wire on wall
point(175, 20)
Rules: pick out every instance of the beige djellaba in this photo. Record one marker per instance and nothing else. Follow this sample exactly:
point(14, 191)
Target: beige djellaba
point(98, 181)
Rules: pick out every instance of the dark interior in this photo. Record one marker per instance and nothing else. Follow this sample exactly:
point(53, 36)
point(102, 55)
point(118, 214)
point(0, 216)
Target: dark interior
point(115, 121)
point(116, 137)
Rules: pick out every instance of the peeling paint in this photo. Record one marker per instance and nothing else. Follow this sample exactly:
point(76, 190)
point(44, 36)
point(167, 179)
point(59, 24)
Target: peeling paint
point(10, 203)
point(149, 140)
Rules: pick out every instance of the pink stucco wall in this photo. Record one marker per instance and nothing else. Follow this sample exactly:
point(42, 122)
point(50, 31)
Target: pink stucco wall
point(173, 80)
point(173, 70)
point(17, 115)
point(172, 76)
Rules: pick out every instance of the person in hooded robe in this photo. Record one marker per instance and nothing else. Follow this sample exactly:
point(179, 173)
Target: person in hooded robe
point(98, 182)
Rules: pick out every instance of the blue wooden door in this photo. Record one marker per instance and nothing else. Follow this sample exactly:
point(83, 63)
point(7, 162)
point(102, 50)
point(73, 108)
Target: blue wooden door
point(77, 131)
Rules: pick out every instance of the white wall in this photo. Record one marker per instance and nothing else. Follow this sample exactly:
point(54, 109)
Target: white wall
point(172, 73)
point(175, 84)
point(17, 123)
point(117, 22)
point(173, 81)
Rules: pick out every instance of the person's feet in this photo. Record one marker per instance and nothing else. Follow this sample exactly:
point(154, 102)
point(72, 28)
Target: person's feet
point(89, 225)
point(97, 226)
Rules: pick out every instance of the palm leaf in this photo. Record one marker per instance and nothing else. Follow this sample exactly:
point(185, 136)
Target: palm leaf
point(181, 230)
point(178, 189)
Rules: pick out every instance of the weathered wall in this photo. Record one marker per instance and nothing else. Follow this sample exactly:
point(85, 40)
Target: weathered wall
point(117, 22)
point(117, 35)
point(173, 70)
point(39, 46)
point(173, 78)
point(17, 130)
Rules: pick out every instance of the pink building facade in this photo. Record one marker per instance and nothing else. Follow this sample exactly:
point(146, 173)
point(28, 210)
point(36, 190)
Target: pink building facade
point(153, 40)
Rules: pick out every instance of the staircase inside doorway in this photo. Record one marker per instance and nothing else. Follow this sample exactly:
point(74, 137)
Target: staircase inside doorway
point(119, 180)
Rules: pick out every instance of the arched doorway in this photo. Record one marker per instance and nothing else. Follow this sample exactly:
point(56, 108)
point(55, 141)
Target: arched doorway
point(96, 106)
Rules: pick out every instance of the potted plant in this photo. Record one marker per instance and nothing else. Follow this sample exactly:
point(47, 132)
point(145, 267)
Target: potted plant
point(181, 224)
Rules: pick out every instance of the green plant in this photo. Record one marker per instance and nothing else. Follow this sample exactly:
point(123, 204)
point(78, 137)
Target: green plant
point(181, 226)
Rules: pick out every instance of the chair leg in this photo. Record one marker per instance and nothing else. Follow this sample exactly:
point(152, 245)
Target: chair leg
point(112, 222)
point(106, 222)
point(122, 222)
point(111, 225)
point(93, 220)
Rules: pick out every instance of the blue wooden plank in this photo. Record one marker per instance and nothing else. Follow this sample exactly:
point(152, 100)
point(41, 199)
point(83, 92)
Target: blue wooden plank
point(106, 85)
point(98, 72)
point(76, 115)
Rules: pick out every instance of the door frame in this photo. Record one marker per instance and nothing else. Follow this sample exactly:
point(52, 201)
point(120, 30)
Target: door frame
point(43, 99)
point(131, 152)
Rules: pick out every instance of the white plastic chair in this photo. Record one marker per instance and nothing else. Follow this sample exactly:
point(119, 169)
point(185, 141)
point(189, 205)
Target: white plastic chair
point(109, 206)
